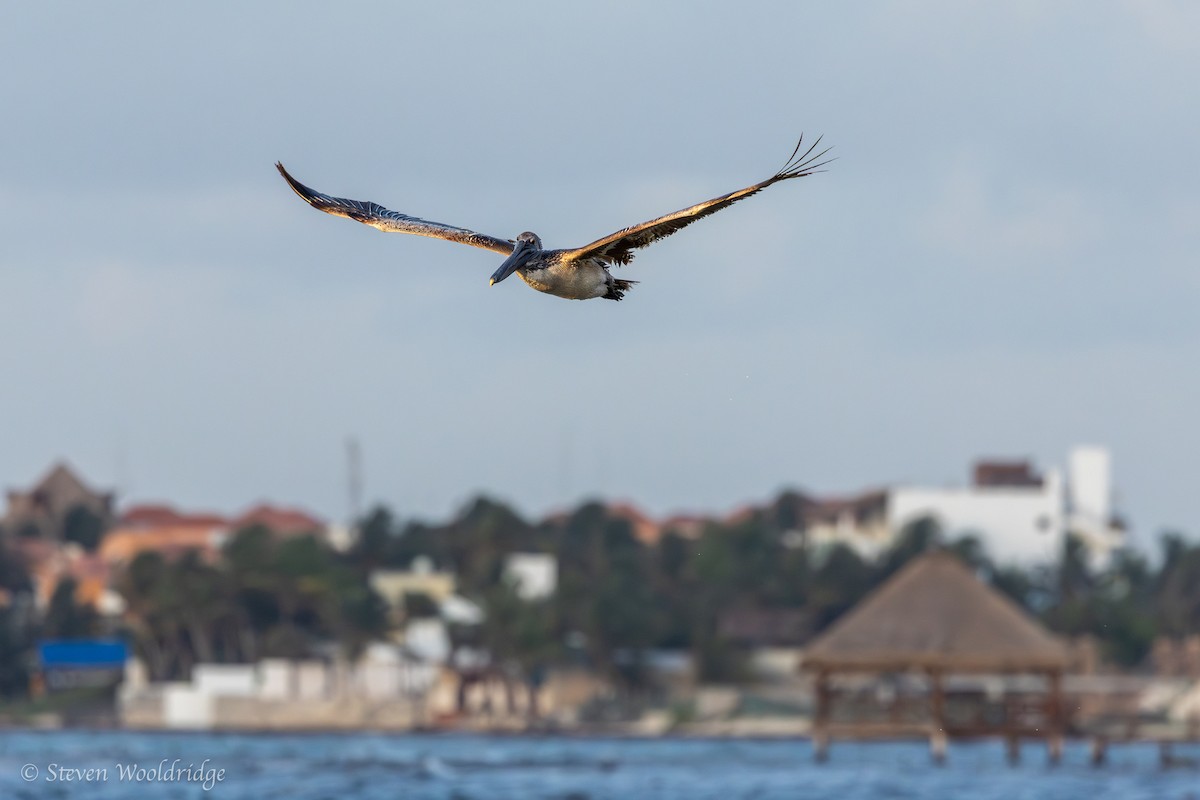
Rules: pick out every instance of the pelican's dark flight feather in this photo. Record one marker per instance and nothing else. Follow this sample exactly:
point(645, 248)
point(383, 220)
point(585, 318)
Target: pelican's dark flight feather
point(617, 248)
point(377, 216)
point(578, 274)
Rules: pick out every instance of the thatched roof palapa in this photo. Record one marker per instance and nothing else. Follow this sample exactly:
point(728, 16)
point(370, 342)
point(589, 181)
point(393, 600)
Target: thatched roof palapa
point(936, 614)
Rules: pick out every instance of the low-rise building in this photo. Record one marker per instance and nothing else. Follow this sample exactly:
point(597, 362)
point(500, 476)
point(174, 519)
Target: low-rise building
point(44, 508)
point(1020, 516)
point(420, 578)
point(384, 689)
point(1015, 521)
point(534, 575)
point(860, 522)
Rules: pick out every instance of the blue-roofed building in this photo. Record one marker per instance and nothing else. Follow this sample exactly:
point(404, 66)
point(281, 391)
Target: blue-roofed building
point(75, 663)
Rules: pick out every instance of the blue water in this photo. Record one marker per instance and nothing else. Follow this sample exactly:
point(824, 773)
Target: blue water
point(453, 767)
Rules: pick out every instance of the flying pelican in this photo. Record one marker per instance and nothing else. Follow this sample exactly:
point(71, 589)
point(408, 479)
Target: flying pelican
point(576, 274)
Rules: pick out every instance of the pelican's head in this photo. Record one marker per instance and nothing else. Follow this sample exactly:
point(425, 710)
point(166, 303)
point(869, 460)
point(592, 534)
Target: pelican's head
point(526, 246)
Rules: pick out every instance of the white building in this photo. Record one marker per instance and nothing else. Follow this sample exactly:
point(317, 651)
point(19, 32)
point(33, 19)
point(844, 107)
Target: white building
point(420, 578)
point(1019, 516)
point(535, 575)
point(428, 640)
point(1089, 504)
point(859, 522)
point(1016, 524)
point(383, 688)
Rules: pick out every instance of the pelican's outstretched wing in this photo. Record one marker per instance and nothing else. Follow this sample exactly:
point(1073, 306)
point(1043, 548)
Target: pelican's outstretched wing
point(379, 217)
point(618, 248)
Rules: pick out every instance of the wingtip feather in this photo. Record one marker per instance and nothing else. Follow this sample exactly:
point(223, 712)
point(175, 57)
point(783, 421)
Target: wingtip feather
point(803, 164)
point(305, 193)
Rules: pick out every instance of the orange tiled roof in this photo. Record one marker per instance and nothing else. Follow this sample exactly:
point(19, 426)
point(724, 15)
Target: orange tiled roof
point(689, 526)
point(742, 514)
point(645, 529)
point(279, 520)
point(151, 515)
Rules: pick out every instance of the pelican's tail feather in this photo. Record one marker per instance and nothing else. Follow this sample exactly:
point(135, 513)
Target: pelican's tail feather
point(617, 288)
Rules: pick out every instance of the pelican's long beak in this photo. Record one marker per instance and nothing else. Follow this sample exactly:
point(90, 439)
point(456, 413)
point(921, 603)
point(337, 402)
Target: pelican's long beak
point(521, 253)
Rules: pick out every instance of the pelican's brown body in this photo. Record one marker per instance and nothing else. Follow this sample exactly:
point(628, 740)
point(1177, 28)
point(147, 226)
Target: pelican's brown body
point(556, 272)
point(574, 280)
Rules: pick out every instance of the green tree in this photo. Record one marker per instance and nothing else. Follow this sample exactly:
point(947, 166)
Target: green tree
point(1178, 595)
point(65, 618)
point(376, 533)
point(673, 591)
point(139, 586)
point(915, 539)
point(248, 556)
point(840, 581)
point(14, 576)
point(1018, 585)
point(522, 636)
point(353, 613)
point(17, 632)
point(201, 599)
point(970, 551)
point(1075, 579)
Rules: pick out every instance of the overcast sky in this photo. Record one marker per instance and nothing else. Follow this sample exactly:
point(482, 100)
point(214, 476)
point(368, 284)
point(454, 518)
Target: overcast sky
point(1002, 262)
